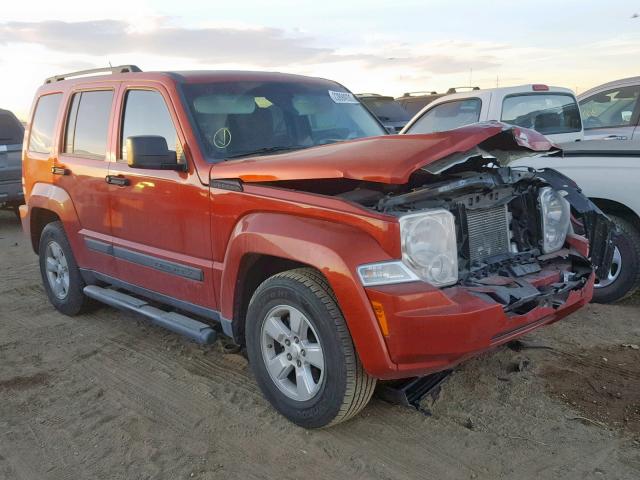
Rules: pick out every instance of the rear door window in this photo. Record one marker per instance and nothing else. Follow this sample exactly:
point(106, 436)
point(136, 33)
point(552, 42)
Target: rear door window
point(88, 124)
point(613, 108)
point(448, 116)
point(44, 124)
point(547, 113)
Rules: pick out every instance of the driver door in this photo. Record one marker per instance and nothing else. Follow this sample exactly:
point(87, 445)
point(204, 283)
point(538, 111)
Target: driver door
point(159, 218)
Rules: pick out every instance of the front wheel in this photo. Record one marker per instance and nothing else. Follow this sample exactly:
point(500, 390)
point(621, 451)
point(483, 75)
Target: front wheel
point(623, 278)
point(301, 352)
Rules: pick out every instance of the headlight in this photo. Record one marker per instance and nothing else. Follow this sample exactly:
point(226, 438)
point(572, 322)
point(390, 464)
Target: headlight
point(555, 219)
point(429, 246)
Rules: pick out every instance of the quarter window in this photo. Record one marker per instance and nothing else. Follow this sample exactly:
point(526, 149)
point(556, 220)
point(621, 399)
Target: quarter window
point(448, 116)
point(44, 124)
point(613, 108)
point(88, 123)
point(146, 113)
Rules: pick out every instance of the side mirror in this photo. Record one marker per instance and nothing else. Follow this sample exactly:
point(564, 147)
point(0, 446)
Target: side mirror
point(151, 152)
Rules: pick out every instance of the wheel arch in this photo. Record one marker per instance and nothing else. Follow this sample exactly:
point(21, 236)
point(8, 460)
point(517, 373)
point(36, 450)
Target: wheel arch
point(48, 203)
point(263, 244)
point(614, 207)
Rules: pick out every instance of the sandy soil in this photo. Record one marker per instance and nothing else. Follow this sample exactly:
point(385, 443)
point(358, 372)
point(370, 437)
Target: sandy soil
point(106, 395)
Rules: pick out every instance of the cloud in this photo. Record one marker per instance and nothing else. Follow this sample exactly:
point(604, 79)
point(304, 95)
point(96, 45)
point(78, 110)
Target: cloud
point(262, 47)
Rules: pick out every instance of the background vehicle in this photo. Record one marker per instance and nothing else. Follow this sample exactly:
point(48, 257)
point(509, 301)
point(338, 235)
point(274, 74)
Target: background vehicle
point(609, 174)
point(276, 207)
point(389, 112)
point(552, 111)
point(413, 102)
point(612, 111)
point(11, 134)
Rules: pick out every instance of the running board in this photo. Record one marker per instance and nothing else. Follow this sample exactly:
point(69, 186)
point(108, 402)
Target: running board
point(193, 329)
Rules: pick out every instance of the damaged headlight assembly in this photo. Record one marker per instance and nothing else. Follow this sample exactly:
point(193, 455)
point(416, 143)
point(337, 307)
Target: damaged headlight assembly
point(555, 213)
point(429, 252)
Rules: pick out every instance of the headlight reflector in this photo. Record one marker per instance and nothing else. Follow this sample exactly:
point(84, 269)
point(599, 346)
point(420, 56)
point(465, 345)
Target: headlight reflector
point(555, 212)
point(429, 246)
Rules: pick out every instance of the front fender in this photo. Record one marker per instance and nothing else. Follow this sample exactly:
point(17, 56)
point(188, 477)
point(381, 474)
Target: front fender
point(333, 249)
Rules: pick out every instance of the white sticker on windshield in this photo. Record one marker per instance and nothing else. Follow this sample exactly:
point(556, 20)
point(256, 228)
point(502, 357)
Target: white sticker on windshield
point(342, 97)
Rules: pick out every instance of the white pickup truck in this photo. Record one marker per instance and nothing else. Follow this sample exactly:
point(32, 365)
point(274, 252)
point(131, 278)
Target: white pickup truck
point(608, 173)
point(552, 111)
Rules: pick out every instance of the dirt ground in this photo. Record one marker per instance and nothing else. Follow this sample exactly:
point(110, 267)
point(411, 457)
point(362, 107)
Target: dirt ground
point(106, 395)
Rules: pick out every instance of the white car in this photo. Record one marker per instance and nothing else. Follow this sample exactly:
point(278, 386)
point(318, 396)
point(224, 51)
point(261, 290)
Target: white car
point(552, 111)
point(612, 111)
point(608, 173)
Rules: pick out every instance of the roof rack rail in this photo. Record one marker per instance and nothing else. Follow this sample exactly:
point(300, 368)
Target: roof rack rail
point(419, 93)
point(455, 89)
point(118, 69)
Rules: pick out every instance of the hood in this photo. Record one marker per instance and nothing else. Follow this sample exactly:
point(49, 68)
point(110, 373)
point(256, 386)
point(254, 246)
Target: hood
point(386, 159)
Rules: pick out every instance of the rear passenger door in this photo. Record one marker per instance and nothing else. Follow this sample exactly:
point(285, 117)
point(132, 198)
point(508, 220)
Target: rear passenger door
point(81, 168)
point(160, 218)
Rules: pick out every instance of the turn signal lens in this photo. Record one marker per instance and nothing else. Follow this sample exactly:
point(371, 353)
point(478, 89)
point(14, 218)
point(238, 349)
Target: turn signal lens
point(378, 309)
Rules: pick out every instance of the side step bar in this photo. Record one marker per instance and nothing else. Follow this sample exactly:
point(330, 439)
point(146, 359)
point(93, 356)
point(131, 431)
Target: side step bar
point(193, 329)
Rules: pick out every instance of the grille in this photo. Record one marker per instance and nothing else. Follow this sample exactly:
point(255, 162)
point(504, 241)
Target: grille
point(488, 230)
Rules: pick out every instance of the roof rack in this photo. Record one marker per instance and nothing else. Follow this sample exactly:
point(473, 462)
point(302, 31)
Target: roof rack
point(419, 93)
point(456, 89)
point(112, 70)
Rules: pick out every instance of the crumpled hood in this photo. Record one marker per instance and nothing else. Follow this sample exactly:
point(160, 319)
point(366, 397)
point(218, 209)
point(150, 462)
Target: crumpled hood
point(385, 159)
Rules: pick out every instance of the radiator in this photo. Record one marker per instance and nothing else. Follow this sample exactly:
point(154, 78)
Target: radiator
point(488, 231)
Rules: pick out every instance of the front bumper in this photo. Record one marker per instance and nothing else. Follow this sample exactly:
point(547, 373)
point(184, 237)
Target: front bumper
point(434, 329)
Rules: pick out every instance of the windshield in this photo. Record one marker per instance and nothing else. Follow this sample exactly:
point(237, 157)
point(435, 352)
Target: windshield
point(386, 109)
point(547, 113)
point(237, 119)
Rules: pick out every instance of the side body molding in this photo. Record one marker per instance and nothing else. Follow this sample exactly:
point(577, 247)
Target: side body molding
point(333, 249)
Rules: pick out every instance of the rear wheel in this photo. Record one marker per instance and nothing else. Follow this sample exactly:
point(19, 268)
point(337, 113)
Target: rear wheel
point(60, 273)
point(301, 352)
point(623, 279)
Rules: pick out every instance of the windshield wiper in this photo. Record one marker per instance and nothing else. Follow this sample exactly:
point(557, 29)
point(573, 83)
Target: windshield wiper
point(267, 150)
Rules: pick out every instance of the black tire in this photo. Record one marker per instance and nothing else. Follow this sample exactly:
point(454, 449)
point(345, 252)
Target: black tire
point(628, 280)
point(346, 388)
point(74, 301)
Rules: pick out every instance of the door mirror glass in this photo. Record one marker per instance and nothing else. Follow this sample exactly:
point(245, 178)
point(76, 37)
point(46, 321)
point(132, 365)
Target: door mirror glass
point(151, 152)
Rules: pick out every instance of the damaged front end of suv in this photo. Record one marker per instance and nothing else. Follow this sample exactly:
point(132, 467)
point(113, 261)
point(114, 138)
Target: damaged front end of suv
point(515, 236)
point(474, 252)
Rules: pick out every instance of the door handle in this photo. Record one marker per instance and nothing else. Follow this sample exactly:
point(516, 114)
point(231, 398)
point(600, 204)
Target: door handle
point(117, 180)
point(616, 137)
point(60, 171)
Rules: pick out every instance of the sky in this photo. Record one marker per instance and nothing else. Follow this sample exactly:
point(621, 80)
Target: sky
point(387, 47)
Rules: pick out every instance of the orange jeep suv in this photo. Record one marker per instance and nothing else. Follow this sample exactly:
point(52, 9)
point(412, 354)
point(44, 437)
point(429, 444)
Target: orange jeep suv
point(275, 209)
